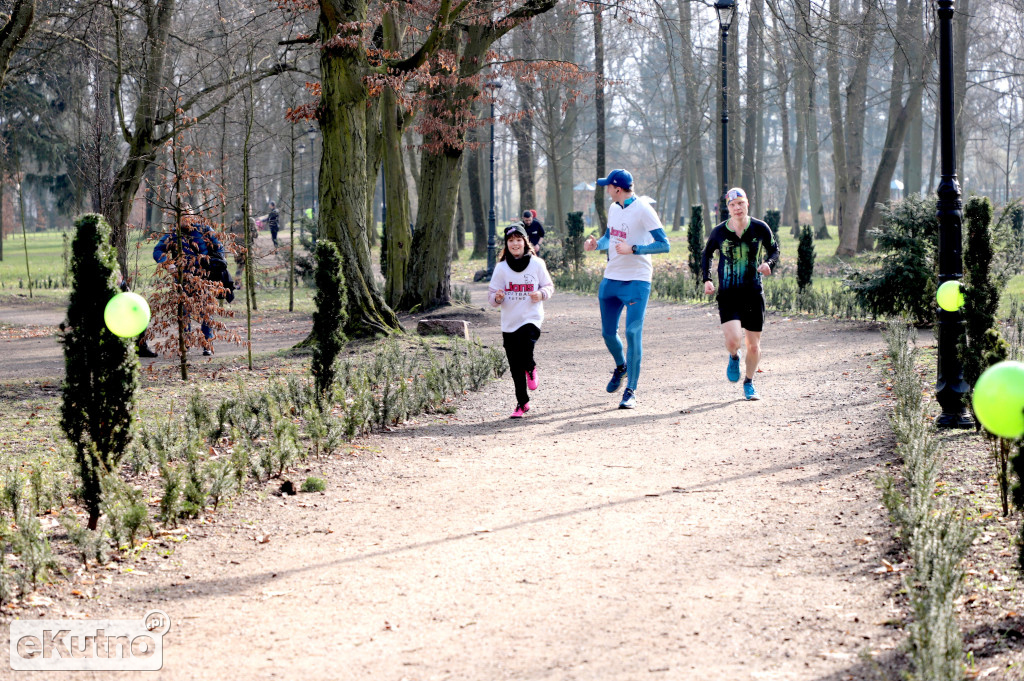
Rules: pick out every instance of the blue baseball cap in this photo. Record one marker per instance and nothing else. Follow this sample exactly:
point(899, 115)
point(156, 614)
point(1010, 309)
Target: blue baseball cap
point(619, 178)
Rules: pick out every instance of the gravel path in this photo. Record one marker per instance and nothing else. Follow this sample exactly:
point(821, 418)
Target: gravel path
point(699, 536)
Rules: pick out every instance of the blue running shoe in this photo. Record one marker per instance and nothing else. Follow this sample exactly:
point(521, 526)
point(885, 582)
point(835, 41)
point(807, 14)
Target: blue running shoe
point(732, 372)
point(750, 392)
point(628, 399)
point(617, 376)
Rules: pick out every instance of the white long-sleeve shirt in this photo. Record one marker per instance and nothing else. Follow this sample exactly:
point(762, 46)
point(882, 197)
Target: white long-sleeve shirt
point(518, 309)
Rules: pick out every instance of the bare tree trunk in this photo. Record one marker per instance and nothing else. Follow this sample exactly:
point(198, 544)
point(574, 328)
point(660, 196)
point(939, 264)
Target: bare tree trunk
point(894, 137)
point(856, 108)
point(809, 117)
point(429, 278)
point(835, 112)
point(476, 200)
point(899, 119)
point(961, 39)
point(396, 196)
point(694, 116)
point(913, 148)
point(342, 214)
point(791, 204)
point(522, 130)
point(14, 32)
point(600, 213)
point(755, 48)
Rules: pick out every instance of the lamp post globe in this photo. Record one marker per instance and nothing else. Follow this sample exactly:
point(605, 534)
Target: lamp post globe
point(726, 10)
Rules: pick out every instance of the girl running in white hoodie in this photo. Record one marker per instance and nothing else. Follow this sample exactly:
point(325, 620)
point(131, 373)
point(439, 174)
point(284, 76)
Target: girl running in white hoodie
point(520, 284)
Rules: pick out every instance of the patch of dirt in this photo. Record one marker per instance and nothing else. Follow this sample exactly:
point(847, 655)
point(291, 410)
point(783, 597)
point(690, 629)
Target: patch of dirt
point(699, 535)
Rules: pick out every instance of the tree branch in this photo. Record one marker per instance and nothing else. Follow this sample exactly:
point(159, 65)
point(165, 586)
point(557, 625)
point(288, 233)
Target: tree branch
point(14, 32)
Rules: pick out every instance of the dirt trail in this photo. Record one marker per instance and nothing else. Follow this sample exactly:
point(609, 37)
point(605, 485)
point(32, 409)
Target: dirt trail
point(32, 352)
point(697, 537)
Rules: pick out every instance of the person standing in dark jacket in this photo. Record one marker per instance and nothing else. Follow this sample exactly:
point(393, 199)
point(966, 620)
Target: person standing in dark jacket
point(272, 222)
point(741, 307)
point(202, 257)
point(534, 229)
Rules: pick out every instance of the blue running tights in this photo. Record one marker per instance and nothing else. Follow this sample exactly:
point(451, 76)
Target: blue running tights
point(614, 295)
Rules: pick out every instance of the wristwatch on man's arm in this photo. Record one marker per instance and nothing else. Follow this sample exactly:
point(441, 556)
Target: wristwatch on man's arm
point(634, 249)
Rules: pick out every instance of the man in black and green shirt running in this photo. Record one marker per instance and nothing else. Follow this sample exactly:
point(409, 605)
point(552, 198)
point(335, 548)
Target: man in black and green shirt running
point(741, 306)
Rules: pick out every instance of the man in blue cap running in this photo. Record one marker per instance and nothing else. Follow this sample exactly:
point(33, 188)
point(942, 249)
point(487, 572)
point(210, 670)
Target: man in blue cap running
point(634, 233)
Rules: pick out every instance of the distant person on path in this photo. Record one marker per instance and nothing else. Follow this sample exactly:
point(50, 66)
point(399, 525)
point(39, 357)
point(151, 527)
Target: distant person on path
point(534, 229)
point(519, 285)
point(741, 306)
point(634, 233)
point(272, 222)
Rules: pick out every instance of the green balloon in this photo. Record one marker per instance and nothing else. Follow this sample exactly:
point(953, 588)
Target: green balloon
point(999, 399)
point(950, 296)
point(126, 314)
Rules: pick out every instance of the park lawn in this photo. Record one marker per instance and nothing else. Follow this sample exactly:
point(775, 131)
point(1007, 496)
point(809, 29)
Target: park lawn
point(47, 257)
point(46, 251)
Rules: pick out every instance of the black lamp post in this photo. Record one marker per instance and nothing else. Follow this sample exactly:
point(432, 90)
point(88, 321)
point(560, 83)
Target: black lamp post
point(311, 133)
point(491, 226)
point(726, 13)
point(950, 388)
point(302, 152)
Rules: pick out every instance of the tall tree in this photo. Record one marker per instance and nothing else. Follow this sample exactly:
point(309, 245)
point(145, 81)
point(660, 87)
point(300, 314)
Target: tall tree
point(14, 32)
point(754, 98)
point(856, 108)
point(900, 112)
point(455, 83)
point(600, 213)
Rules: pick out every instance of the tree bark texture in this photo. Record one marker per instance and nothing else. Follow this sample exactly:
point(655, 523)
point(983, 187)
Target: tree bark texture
point(754, 95)
point(343, 165)
point(14, 32)
point(600, 212)
point(856, 108)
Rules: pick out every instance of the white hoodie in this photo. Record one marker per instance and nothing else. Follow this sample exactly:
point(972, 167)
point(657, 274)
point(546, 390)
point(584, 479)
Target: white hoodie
point(517, 309)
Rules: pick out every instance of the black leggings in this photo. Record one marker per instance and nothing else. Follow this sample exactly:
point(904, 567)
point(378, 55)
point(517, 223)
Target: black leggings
point(519, 349)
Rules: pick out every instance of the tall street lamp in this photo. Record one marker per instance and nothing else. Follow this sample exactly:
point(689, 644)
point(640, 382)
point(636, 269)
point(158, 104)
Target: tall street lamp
point(311, 133)
point(950, 388)
point(726, 13)
point(491, 227)
point(302, 151)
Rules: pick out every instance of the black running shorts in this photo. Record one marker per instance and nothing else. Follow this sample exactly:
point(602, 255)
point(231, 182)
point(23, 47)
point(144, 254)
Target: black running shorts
point(746, 306)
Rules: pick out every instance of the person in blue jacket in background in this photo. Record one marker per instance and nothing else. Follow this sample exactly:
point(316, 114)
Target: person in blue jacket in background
point(203, 258)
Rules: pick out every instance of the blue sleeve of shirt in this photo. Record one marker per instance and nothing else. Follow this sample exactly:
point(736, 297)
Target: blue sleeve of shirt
point(160, 250)
point(602, 243)
point(660, 244)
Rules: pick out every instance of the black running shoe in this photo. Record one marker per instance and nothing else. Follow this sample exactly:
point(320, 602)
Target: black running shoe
point(617, 375)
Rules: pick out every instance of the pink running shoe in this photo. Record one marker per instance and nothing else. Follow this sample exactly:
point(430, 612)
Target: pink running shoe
point(531, 379)
point(520, 411)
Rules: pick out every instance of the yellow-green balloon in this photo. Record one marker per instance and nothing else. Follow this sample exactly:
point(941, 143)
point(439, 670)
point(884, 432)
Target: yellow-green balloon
point(950, 296)
point(126, 314)
point(999, 399)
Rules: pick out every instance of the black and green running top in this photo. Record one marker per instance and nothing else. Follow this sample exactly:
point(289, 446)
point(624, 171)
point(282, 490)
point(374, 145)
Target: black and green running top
point(737, 265)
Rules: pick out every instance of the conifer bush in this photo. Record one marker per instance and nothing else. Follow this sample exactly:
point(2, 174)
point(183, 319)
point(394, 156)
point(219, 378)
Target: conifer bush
point(328, 318)
point(101, 371)
point(981, 295)
point(573, 249)
point(905, 281)
point(773, 219)
point(805, 258)
point(695, 242)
